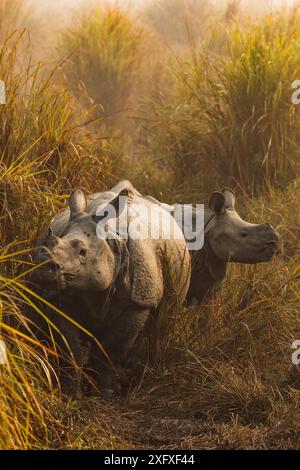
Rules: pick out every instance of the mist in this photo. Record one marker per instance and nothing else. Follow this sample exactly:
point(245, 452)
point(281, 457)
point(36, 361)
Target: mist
point(253, 7)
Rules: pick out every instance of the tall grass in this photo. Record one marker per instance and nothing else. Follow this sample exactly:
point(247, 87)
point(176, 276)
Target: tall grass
point(15, 15)
point(27, 380)
point(230, 119)
point(104, 48)
point(45, 144)
point(45, 149)
point(172, 19)
point(253, 123)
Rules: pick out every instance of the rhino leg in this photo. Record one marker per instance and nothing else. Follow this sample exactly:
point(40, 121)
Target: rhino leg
point(129, 326)
point(71, 374)
point(119, 341)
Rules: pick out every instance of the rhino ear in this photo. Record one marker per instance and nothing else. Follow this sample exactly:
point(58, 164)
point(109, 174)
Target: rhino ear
point(217, 203)
point(117, 204)
point(229, 198)
point(77, 203)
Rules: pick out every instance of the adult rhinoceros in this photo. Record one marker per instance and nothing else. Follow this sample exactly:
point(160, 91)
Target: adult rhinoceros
point(109, 284)
point(227, 238)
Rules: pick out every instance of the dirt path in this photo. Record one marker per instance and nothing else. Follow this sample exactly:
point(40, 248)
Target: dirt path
point(93, 423)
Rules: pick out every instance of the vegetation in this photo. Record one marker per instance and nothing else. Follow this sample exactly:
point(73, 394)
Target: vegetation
point(171, 19)
point(15, 15)
point(215, 111)
point(104, 49)
point(231, 118)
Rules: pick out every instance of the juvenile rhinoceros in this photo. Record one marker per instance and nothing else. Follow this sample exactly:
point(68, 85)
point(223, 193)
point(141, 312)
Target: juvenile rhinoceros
point(110, 283)
point(227, 239)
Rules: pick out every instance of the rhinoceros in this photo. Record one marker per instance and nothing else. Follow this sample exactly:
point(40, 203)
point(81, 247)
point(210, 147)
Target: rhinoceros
point(108, 283)
point(227, 239)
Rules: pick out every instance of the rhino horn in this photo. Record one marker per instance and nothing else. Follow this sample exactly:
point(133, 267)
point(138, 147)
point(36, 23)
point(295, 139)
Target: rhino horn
point(51, 239)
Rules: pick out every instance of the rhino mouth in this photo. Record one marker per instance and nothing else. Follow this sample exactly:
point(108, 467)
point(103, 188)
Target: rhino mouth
point(49, 293)
point(260, 255)
point(271, 250)
point(48, 280)
point(54, 282)
point(267, 250)
point(265, 254)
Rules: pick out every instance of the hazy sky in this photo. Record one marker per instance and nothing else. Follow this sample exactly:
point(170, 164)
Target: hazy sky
point(62, 9)
point(247, 4)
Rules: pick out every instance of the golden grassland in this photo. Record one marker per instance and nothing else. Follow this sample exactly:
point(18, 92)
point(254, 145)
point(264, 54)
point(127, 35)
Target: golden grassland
point(180, 116)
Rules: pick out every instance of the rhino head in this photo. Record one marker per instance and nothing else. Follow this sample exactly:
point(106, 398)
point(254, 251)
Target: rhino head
point(78, 259)
point(232, 239)
point(228, 238)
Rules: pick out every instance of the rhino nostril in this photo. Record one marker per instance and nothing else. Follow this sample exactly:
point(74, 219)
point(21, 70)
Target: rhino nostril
point(42, 251)
point(244, 234)
point(272, 244)
point(53, 266)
